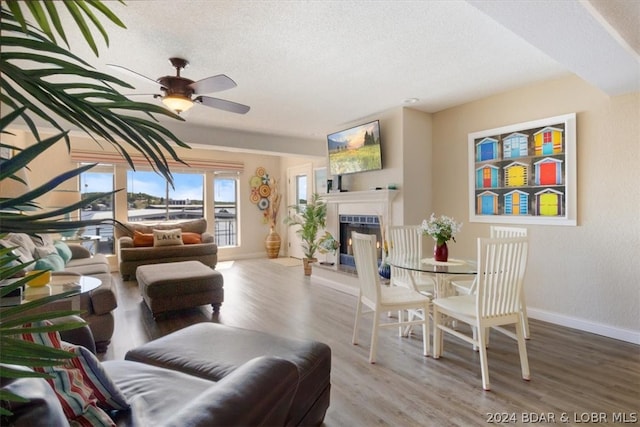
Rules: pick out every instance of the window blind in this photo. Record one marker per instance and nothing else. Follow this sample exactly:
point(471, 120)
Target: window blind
point(139, 160)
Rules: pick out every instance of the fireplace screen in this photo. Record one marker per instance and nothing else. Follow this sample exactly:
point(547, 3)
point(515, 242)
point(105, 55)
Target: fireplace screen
point(365, 224)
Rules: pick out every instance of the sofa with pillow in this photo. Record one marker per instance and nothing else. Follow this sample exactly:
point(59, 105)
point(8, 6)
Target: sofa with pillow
point(146, 243)
point(57, 256)
point(257, 392)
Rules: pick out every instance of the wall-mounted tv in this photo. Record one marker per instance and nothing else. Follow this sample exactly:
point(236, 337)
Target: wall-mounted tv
point(355, 149)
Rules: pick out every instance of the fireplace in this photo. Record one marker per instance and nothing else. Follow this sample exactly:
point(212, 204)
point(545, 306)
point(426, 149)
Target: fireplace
point(365, 224)
point(348, 211)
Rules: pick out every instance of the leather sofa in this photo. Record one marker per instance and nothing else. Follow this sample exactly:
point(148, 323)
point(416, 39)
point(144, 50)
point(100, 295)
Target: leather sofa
point(212, 351)
point(98, 305)
point(131, 255)
point(261, 390)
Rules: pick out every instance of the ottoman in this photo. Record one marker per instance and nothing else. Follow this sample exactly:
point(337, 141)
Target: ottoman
point(212, 351)
point(178, 285)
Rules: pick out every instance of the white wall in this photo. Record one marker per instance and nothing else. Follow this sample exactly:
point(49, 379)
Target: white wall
point(586, 276)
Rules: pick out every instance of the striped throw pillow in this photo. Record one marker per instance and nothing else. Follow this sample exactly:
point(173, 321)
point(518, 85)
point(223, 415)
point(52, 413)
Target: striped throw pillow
point(81, 384)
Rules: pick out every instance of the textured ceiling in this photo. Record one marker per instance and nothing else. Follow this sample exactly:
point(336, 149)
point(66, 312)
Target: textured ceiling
point(308, 68)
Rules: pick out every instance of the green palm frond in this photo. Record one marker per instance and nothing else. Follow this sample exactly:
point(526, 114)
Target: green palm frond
point(31, 90)
point(92, 104)
point(311, 218)
point(11, 219)
point(44, 11)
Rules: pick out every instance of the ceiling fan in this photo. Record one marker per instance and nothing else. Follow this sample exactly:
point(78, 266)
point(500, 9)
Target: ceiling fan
point(177, 91)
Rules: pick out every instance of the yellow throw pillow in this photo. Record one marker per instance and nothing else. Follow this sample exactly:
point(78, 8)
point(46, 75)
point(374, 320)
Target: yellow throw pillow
point(167, 237)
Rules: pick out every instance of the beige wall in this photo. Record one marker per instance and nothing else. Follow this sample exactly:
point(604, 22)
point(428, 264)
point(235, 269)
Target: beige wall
point(250, 217)
point(417, 165)
point(586, 276)
point(51, 163)
point(406, 160)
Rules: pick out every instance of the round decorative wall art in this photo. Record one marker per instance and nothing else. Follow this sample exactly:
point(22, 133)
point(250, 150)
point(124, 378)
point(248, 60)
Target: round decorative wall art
point(255, 196)
point(264, 190)
point(255, 181)
point(264, 193)
point(263, 204)
point(261, 190)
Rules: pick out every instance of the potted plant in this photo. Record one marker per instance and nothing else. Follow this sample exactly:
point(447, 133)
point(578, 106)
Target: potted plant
point(328, 245)
point(311, 217)
point(92, 105)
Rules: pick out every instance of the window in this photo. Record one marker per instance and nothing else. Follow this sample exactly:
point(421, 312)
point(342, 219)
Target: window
point(98, 179)
point(151, 198)
point(301, 189)
point(225, 200)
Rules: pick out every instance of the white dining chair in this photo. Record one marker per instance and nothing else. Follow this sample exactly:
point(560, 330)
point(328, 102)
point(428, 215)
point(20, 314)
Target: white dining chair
point(405, 245)
point(381, 298)
point(468, 286)
point(496, 302)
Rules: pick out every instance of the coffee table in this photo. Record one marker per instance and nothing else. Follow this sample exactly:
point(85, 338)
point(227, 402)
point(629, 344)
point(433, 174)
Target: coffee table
point(63, 283)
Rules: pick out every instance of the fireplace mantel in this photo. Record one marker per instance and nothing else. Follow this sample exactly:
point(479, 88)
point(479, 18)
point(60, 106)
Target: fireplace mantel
point(370, 202)
point(370, 196)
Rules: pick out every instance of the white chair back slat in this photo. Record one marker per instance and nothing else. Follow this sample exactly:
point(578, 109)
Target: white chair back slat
point(365, 254)
point(405, 245)
point(500, 232)
point(501, 270)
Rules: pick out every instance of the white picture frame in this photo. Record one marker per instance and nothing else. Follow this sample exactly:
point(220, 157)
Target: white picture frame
point(524, 173)
point(6, 153)
point(320, 180)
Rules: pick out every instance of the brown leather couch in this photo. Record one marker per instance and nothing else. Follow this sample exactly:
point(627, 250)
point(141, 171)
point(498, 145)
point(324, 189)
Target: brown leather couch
point(97, 305)
point(213, 351)
point(260, 391)
point(132, 256)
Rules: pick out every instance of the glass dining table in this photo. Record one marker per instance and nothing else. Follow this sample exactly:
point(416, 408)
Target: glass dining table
point(442, 271)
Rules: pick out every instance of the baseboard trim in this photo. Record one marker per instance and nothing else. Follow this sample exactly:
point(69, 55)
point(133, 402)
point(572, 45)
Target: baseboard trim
point(621, 334)
point(334, 285)
point(348, 284)
point(233, 256)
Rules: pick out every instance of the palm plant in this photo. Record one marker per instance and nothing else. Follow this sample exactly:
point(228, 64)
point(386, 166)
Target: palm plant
point(30, 63)
point(311, 217)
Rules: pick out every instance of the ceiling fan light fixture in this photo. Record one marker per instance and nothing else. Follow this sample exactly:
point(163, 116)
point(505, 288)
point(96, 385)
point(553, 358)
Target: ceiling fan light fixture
point(177, 103)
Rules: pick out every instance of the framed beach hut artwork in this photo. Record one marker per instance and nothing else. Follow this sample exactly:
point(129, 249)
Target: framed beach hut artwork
point(524, 173)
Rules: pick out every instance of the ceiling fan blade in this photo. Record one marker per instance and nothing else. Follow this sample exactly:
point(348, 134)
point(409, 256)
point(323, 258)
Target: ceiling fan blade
point(213, 84)
point(133, 73)
point(222, 104)
point(155, 95)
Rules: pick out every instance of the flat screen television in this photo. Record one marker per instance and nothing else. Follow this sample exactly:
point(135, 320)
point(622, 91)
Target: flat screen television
point(356, 149)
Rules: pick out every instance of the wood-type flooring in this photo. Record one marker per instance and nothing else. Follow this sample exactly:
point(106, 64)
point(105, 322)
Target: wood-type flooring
point(576, 377)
